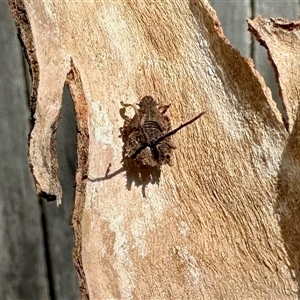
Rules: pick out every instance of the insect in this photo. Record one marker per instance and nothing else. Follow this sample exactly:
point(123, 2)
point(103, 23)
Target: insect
point(147, 136)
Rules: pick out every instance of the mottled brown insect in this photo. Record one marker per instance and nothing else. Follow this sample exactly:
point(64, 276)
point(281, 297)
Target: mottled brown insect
point(147, 136)
point(140, 134)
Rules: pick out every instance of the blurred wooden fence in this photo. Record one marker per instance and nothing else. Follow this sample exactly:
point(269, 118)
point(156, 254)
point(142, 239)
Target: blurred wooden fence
point(35, 236)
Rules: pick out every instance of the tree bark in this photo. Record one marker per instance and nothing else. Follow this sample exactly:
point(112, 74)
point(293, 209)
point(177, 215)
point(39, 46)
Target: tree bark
point(215, 227)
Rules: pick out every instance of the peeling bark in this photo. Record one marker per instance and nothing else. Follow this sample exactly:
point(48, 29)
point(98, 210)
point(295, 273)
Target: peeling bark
point(281, 38)
point(211, 228)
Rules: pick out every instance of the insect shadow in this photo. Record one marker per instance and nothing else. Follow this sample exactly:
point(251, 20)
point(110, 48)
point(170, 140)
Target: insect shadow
point(138, 176)
point(147, 143)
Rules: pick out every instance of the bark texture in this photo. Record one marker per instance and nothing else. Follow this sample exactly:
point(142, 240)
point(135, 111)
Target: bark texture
point(218, 225)
point(281, 39)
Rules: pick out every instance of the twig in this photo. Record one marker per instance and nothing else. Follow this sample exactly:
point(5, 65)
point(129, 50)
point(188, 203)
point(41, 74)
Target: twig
point(107, 175)
point(160, 139)
point(178, 128)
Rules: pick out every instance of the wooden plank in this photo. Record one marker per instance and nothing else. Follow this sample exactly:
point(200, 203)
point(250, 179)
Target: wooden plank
point(232, 15)
point(272, 9)
point(22, 260)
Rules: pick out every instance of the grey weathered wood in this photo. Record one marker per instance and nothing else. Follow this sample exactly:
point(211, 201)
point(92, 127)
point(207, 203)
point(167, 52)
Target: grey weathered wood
point(232, 15)
point(272, 9)
point(22, 261)
point(60, 236)
point(22, 254)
